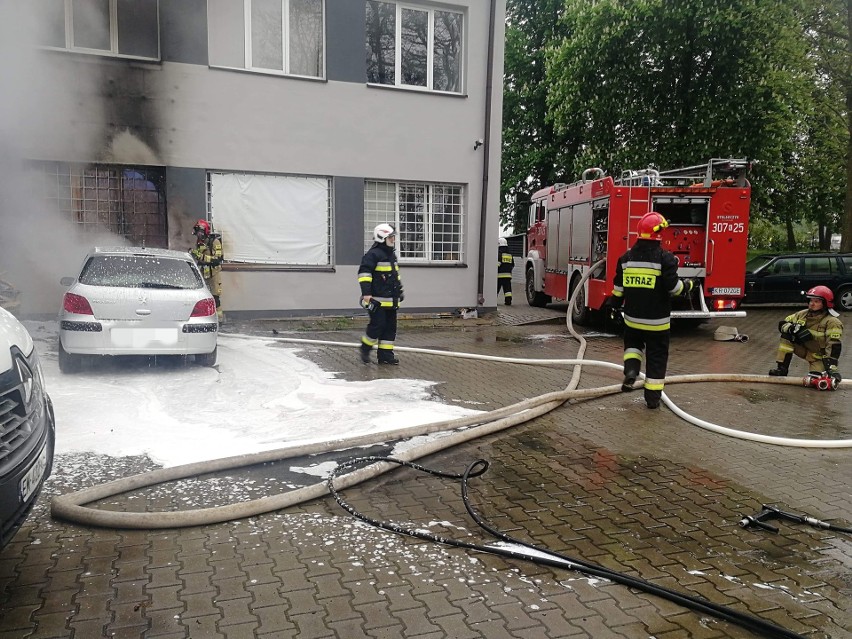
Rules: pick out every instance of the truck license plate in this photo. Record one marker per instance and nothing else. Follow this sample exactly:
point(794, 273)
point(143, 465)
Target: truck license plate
point(31, 480)
point(726, 291)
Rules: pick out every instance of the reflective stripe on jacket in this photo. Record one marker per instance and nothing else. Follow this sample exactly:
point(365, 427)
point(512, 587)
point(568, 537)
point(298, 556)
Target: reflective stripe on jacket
point(646, 277)
point(505, 260)
point(378, 276)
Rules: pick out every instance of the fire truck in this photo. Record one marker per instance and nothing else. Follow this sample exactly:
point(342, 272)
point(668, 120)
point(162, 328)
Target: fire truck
point(574, 226)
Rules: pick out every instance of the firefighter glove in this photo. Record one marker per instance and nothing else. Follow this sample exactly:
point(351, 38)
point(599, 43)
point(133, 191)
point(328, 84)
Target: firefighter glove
point(801, 335)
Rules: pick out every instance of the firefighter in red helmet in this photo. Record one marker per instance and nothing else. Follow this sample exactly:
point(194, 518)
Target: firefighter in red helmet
point(207, 253)
point(813, 334)
point(645, 280)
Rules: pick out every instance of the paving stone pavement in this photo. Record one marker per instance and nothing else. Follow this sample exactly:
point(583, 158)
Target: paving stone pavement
point(606, 480)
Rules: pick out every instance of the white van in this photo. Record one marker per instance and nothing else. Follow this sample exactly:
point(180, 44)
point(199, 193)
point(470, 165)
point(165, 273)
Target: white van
point(27, 426)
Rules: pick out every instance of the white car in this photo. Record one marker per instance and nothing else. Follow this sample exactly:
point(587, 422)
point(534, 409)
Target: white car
point(137, 301)
point(27, 429)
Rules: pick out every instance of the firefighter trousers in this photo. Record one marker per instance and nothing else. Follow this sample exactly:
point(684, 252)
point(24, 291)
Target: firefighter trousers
point(655, 347)
point(504, 283)
point(381, 331)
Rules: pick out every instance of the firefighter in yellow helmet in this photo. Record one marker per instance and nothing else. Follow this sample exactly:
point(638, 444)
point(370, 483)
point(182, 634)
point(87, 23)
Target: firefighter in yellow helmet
point(207, 253)
point(645, 280)
point(814, 334)
point(505, 264)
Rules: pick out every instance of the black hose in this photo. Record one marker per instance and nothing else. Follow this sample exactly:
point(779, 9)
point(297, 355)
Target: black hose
point(557, 560)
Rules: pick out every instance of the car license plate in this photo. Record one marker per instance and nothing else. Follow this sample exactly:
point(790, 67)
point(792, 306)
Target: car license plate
point(726, 291)
point(142, 337)
point(32, 479)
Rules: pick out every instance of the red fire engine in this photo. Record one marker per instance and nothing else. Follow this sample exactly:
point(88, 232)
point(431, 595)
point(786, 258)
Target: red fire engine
point(573, 226)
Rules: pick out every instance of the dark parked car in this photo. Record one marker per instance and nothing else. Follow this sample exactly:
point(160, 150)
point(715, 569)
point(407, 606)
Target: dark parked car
point(781, 278)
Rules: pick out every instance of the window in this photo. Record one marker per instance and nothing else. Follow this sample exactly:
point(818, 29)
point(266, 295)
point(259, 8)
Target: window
point(124, 28)
point(819, 265)
point(786, 265)
point(414, 46)
point(280, 220)
point(129, 201)
point(273, 36)
point(427, 218)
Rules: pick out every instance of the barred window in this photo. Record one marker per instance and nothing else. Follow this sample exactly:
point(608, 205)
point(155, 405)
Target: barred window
point(414, 46)
point(129, 201)
point(427, 217)
point(274, 36)
point(122, 28)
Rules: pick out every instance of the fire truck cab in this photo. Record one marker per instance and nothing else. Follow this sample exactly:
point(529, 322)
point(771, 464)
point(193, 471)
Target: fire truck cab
point(575, 226)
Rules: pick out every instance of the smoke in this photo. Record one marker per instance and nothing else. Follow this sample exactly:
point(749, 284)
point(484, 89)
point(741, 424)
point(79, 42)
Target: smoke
point(40, 119)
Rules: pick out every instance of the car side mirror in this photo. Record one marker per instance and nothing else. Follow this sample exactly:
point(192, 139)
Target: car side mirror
point(66, 281)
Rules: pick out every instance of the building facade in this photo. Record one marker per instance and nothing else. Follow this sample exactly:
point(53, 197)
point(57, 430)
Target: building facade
point(294, 126)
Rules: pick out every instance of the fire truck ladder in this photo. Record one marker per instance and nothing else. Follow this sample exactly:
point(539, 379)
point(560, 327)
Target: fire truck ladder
point(643, 179)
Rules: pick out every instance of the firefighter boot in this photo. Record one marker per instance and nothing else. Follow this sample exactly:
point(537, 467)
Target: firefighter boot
point(631, 372)
point(782, 367)
point(386, 356)
point(365, 353)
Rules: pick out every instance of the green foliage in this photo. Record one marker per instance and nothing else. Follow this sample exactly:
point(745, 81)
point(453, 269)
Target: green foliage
point(675, 82)
point(625, 84)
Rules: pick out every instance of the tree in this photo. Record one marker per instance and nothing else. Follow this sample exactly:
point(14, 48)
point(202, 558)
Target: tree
point(829, 29)
point(534, 155)
point(675, 82)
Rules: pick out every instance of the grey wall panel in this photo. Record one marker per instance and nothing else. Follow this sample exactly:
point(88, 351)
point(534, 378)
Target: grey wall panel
point(186, 201)
point(348, 220)
point(345, 37)
point(183, 31)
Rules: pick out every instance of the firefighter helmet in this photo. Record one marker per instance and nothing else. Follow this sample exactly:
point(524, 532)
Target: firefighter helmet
point(822, 293)
point(383, 232)
point(203, 226)
point(650, 226)
point(502, 242)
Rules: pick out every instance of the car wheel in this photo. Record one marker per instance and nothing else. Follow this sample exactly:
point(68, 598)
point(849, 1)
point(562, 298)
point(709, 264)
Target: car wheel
point(69, 363)
point(843, 299)
point(207, 359)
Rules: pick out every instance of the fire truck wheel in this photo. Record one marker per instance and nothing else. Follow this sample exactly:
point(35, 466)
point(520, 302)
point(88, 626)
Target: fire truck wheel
point(534, 298)
point(579, 312)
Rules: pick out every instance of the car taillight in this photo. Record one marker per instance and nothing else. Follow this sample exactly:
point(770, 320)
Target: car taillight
point(76, 304)
point(204, 308)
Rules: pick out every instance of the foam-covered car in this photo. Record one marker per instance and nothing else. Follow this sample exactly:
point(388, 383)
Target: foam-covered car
point(27, 426)
point(137, 301)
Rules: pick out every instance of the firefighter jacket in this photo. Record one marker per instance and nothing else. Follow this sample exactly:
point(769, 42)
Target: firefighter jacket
point(505, 261)
point(826, 330)
point(646, 279)
point(208, 255)
point(378, 276)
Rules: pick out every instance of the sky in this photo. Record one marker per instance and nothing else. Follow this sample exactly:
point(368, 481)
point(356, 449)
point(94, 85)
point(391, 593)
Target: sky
point(260, 396)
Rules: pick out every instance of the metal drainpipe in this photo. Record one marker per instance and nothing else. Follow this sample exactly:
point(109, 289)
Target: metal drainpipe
point(483, 213)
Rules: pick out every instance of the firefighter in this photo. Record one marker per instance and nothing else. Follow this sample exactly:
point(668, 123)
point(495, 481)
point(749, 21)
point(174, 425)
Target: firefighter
point(645, 280)
point(208, 255)
point(505, 264)
point(381, 294)
point(813, 334)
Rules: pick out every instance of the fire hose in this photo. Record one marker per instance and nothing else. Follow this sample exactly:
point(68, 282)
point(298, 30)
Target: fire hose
point(71, 506)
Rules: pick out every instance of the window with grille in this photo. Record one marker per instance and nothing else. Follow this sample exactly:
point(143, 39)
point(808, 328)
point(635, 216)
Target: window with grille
point(129, 201)
point(272, 36)
point(427, 218)
point(412, 46)
point(122, 28)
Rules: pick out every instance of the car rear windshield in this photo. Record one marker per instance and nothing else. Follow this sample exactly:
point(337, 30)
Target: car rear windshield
point(140, 271)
